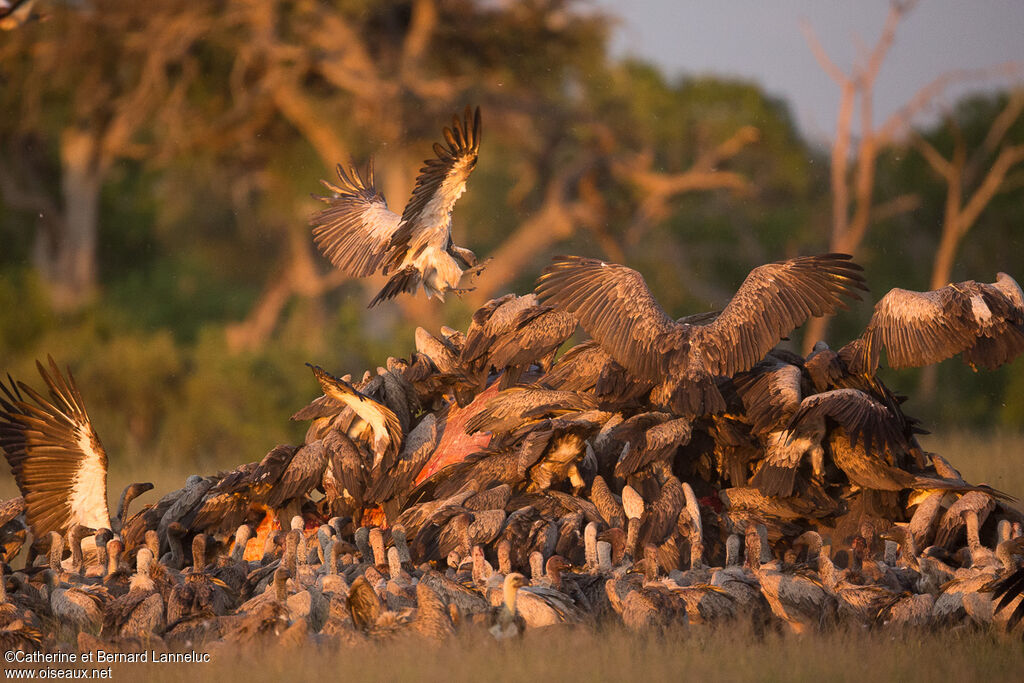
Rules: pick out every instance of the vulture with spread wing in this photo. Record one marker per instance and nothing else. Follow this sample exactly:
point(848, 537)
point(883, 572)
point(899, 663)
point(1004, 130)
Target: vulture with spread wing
point(361, 236)
point(57, 459)
point(983, 322)
point(383, 423)
point(614, 305)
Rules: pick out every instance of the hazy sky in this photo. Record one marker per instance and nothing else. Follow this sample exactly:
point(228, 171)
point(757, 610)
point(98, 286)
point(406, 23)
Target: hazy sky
point(762, 41)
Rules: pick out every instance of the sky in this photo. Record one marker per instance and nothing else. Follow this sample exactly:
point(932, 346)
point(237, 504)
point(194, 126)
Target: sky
point(763, 42)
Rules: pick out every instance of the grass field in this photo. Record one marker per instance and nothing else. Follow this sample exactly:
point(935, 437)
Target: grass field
point(722, 654)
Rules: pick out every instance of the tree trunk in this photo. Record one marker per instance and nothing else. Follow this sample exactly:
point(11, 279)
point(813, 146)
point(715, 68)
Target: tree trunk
point(942, 268)
point(942, 271)
point(66, 256)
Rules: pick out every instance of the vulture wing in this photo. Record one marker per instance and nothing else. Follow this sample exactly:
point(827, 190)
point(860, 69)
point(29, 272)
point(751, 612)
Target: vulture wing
point(861, 416)
point(355, 229)
point(773, 300)
point(387, 429)
point(55, 454)
point(615, 307)
point(916, 328)
point(441, 182)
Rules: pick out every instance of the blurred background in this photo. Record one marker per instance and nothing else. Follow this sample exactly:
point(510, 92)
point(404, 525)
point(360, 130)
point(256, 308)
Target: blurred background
point(157, 161)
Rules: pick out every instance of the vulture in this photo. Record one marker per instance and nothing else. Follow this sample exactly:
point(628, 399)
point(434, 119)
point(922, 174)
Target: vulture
point(982, 322)
point(55, 454)
point(15, 13)
point(382, 421)
point(361, 236)
point(1008, 590)
point(682, 357)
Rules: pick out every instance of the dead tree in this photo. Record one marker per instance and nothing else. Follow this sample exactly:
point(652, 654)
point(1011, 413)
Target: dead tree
point(854, 160)
point(970, 187)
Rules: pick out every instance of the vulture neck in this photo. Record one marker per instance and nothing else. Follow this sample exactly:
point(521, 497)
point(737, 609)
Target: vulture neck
point(510, 590)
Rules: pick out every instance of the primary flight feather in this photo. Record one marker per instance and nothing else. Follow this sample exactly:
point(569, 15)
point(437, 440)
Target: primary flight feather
point(362, 236)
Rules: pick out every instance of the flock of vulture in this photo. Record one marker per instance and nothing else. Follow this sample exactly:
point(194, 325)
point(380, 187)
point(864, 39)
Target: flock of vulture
point(662, 473)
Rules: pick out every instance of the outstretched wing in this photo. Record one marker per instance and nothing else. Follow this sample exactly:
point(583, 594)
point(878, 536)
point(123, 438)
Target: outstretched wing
point(387, 428)
point(863, 418)
point(440, 183)
point(56, 456)
point(773, 300)
point(916, 328)
point(615, 307)
point(999, 314)
point(920, 328)
point(355, 229)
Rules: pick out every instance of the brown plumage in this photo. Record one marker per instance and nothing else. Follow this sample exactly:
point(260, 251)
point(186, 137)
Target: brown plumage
point(771, 392)
point(364, 604)
point(489, 320)
point(419, 445)
point(511, 333)
point(444, 356)
point(607, 503)
point(432, 618)
point(588, 367)
point(811, 504)
point(984, 322)
point(1006, 591)
point(201, 593)
point(55, 454)
point(866, 423)
point(874, 470)
point(13, 530)
point(384, 424)
point(614, 306)
point(361, 236)
point(343, 480)
point(77, 607)
point(518, 407)
point(652, 437)
point(304, 472)
point(140, 612)
point(660, 517)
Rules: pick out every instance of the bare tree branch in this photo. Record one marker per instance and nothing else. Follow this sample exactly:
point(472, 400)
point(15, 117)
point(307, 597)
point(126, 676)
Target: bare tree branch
point(1007, 117)
point(826, 63)
point(1007, 159)
point(901, 118)
point(938, 163)
point(555, 221)
point(905, 203)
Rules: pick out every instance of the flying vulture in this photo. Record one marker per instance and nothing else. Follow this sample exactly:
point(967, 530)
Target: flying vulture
point(361, 236)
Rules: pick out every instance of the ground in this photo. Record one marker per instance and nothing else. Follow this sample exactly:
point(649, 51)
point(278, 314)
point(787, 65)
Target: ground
point(693, 655)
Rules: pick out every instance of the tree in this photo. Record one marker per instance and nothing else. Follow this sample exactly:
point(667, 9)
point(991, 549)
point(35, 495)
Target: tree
point(83, 86)
point(972, 180)
point(853, 203)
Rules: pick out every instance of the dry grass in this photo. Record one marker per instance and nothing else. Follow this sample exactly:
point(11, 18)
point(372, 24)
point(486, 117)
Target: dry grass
point(996, 459)
point(710, 655)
